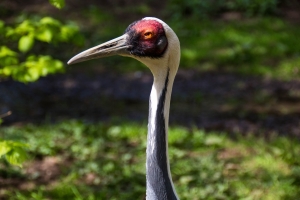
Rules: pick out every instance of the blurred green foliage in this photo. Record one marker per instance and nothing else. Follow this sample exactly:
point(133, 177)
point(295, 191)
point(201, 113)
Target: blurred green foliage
point(209, 8)
point(26, 33)
point(13, 151)
point(107, 161)
point(253, 7)
point(253, 42)
point(58, 3)
point(19, 61)
point(264, 46)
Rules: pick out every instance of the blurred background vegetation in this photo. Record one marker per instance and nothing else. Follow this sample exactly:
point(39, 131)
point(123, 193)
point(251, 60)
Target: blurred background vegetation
point(79, 132)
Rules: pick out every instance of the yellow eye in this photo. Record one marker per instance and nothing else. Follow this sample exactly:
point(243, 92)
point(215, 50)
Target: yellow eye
point(148, 35)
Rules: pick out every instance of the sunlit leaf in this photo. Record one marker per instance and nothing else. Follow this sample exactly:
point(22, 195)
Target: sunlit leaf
point(9, 31)
point(14, 152)
point(17, 156)
point(35, 67)
point(44, 35)
point(1, 24)
point(67, 32)
point(5, 51)
point(58, 3)
point(25, 43)
point(26, 27)
point(46, 29)
point(50, 21)
point(4, 148)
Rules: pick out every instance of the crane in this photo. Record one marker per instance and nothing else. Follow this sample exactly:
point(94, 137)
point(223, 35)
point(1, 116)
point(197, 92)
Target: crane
point(152, 42)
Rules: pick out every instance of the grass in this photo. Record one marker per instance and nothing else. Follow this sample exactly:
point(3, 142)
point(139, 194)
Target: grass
point(106, 161)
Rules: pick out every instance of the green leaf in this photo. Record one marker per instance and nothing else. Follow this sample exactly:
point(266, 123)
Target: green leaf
point(34, 67)
point(46, 29)
point(66, 32)
point(4, 148)
point(17, 156)
point(5, 51)
point(1, 24)
point(26, 42)
point(58, 3)
point(50, 21)
point(25, 28)
point(14, 151)
point(44, 35)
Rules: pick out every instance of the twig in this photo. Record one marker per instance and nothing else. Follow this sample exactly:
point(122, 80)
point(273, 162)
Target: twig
point(6, 114)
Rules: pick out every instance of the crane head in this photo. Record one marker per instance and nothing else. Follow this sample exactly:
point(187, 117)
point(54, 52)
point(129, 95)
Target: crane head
point(146, 38)
point(143, 39)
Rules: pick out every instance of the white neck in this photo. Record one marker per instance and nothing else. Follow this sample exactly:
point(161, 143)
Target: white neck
point(159, 180)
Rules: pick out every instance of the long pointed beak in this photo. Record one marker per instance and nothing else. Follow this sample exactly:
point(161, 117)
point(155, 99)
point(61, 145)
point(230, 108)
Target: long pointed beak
point(116, 46)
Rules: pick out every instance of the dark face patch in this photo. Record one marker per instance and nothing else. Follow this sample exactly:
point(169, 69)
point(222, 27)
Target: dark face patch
point(147, 39)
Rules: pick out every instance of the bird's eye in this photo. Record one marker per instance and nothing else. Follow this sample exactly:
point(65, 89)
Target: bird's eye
point(148, 35)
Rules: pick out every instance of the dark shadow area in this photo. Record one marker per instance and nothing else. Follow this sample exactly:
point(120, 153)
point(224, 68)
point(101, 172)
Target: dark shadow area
point(213, 101)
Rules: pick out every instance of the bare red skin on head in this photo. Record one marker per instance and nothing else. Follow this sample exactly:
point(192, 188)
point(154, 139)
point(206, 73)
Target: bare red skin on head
point(147, 38)
point(144, 26)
